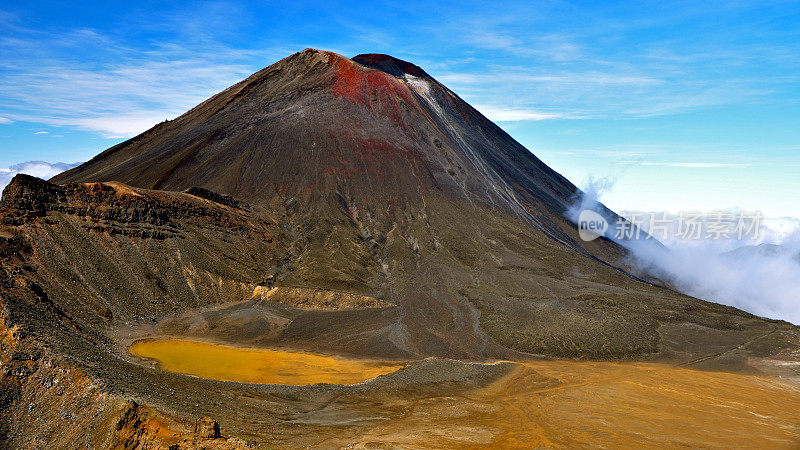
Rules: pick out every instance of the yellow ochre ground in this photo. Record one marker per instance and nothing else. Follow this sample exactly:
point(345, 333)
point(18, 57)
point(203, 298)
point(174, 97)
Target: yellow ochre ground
point(553, 404)
point(595, 404)
point(569, 404)
point(219, 362)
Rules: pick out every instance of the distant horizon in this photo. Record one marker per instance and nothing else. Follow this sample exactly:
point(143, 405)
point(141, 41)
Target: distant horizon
point(684, 106)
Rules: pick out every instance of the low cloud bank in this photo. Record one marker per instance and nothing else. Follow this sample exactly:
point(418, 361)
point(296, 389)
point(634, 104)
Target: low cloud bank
point(761, 279)
point(40, 169)
point(758, 272)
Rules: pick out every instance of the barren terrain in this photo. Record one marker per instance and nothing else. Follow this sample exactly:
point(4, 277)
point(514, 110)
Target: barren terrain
point(356, 209)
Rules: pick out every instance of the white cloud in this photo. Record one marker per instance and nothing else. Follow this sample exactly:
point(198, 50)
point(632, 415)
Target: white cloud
point(695, 165)
point(5, 120)
point(123, 125)
point(116, 91)
point(40, 169)
point(507, 114)
point(125, 99)
point(759, 279)
point(505, 75)
point(756, 275)
point(703, 165)
point(42, 132)
point(495, 41)
point(589, 63)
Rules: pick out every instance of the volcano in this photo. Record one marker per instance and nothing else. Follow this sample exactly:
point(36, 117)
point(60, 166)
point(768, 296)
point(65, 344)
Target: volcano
point(354, 207)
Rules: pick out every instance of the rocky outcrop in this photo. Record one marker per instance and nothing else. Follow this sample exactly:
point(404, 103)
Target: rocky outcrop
point(29, 196)
point(112, 207)
point(46, 402)
point(207, 428)
point(321, 299)
point(215, 197)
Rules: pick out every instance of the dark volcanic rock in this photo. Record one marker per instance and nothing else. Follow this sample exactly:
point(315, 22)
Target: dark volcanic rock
point(390, 65)
point(29, 195)
point(214, 197)
point(207, 428)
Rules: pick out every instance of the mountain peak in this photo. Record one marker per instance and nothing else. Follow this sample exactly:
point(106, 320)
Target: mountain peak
point(285, 132)
point(376, 61)
point(389, 64)
point(311, 56)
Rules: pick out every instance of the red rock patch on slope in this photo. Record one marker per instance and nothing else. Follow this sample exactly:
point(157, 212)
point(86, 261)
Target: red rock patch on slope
point(374, 89)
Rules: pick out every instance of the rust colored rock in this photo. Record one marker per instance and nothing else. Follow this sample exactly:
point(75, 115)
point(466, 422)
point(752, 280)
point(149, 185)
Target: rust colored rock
point(207, 428)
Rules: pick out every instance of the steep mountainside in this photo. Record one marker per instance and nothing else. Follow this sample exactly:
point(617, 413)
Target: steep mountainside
point(316, 130)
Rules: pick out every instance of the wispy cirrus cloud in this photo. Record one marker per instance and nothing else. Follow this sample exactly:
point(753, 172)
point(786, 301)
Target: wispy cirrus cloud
point(583, 61)
point(112, 89)
point(115, 99)
point(628, 92)
point(523, 75)
point(511, 114)
point(693, 165)
point(652, 63)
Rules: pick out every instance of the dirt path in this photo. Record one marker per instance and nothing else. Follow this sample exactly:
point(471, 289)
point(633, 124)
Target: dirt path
point(717, 355)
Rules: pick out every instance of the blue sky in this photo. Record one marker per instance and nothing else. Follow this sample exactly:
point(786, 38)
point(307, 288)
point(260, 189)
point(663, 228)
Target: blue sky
point(687, 105)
